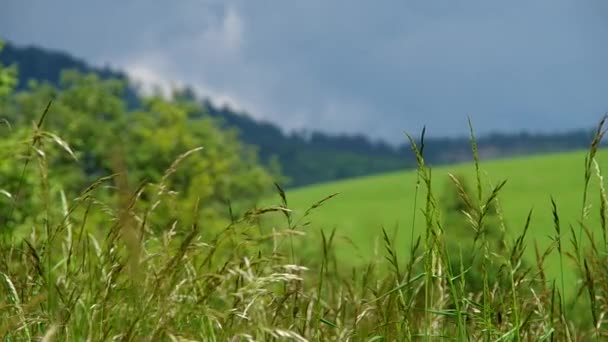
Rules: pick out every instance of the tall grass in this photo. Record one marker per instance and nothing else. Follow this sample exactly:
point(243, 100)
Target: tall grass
point(97, 271)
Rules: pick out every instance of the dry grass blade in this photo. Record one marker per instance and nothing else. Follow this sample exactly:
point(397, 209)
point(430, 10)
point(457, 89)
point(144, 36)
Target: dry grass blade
point(462, 193)
point(281, 194)
point(603, 202)
point(64, 145)
point(48, 335)
point(32, 146)
point(422, 135)
point(6, 123)
point(97, 184)
point(476, 160)
point(173, 168)
point(416, 150)
point(518, 248)
point(392, 254)
point(13, 296)
point(262, 211)
point(320, 203)
point(592, 296)
point(6, 193)
point(44, 114)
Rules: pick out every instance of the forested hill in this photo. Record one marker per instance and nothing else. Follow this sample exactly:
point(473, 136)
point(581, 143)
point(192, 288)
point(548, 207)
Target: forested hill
point(314, 157)
point(39, 64)
point(305, 160)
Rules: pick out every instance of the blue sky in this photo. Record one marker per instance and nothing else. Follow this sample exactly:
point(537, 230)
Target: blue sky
point(373, 67)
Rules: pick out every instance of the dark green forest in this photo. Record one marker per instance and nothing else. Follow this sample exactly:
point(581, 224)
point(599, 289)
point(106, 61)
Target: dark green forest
point(304, 157)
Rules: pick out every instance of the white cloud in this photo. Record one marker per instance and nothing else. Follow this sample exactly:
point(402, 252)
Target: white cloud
point(148, 76)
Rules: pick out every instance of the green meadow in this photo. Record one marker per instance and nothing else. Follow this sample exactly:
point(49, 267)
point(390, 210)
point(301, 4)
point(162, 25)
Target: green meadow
point(365, 205)
point(141, 225)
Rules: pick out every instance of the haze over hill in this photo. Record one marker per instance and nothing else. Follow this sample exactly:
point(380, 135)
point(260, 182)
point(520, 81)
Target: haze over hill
point(305, 158)
point(339, 66)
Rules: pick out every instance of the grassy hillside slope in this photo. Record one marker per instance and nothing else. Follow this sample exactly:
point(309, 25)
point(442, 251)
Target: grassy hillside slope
point(365, 205)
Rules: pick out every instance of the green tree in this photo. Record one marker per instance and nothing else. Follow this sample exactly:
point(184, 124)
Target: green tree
point(223, 170)
point(24, 178)
point(8, 77)
point(105, 137)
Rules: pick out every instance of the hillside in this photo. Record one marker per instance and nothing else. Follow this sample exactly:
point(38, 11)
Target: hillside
point(367, 204)
point(166, 256)
point(304, 159)
point(307, 158)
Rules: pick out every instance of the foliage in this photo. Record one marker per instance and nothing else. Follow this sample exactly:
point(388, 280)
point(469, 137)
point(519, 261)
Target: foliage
point(116, 226)
point(67, 279)
point(304, 157)
point(223, 170)
point(8, 77)
point(106, 137)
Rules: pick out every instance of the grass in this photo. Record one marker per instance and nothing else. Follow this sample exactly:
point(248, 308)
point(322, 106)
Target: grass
point(365, 205)
point(115, 278)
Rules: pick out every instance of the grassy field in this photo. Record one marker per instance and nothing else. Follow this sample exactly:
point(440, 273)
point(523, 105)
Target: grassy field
point(91, 270)
point(365, 205)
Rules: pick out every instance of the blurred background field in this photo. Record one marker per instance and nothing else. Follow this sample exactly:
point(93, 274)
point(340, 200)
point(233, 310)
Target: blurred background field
point(365, 205)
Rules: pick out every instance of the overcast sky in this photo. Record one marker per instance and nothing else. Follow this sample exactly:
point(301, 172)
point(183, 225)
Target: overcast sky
point(375, 67)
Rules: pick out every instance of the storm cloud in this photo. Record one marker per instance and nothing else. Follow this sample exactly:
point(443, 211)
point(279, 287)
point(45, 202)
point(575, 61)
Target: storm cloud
point(378, 68)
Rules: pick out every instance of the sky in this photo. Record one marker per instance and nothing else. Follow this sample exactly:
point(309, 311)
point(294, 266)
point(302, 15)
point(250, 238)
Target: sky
point(374, 67)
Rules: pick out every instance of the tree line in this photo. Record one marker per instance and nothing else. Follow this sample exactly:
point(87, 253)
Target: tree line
point(305, 158)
